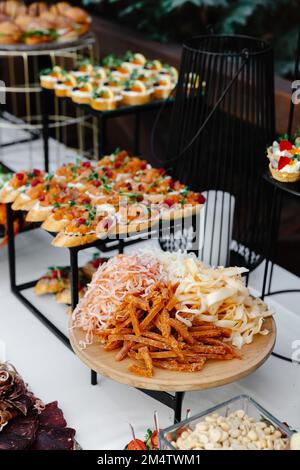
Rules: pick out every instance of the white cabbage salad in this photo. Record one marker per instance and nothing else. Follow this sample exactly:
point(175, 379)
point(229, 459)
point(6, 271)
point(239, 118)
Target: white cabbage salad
point(216, 295)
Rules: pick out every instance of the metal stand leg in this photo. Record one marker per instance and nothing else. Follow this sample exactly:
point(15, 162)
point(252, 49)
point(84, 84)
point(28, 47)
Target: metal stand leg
point(11, 247)
point(179, 396)
point(136, 147)
point(74, 276)
point(102, 135)
point(121, 246)
point(195, 240)
point(45, 119)
point(172, 401)
point(272, 239)
point(94, 380)
point(74, 293)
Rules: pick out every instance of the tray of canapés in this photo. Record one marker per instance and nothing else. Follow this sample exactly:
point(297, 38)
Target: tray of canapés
point(118, 81)
point(164, 321)
point(56, 281)
point(40, 25)
point(86, 201)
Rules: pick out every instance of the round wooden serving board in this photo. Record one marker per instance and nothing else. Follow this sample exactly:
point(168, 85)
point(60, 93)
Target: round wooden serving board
point(214, 373)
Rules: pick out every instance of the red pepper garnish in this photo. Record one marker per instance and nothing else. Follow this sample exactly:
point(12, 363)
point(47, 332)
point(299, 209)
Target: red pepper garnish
point(19, 176)
point(97, 183)
point(285, 145)
point(96, 262)
point(201, 199)
point(85, 201)
point(118, 165)
point(81, 221)
point(109, 174)
point(154, 440)
point(54, 274)
point(143, 165)
point(86, 164)
point(169, 202)
point(171, 183)
point(283, 161)
point(36, 172)
point(107, 223)
point(162, 171)
point(42, 197)
point(136, 444)
point(35, 182)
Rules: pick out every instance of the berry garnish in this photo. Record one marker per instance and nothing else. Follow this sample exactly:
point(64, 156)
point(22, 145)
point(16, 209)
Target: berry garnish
point(169, 202)
point(19, 176)
point(201, 199)
point(35, 182)
point(285, 145)
point(283, 161)
point(36, 172)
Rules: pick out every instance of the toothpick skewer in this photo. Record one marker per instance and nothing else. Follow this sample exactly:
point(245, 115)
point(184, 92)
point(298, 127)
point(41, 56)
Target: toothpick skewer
point(132, 431)
point(156, 421)
point(188, 413)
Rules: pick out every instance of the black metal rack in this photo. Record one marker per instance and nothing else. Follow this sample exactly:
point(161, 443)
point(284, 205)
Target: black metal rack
point(172, 401)
point(293, 189)
point(103, 117)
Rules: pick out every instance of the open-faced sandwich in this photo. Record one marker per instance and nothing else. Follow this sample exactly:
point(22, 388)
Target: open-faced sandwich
point(162, 87)
point(19, 183)
point(84, 68)
point(49, 77)
point(65, 297)
point(104, 99)
point(80, 18)
point(10, 33)
point(55, 280)
point(92, 266)
point(65, 85)
point(82, 92)
point(39, 31)
point(152, 67)
point(285, 160)
point(136, 93)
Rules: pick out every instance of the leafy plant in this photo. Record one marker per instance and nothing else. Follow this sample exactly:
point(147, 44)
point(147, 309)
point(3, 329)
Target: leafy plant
point(164, 20)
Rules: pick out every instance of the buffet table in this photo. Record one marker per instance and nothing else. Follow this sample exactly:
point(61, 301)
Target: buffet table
point(98, 413)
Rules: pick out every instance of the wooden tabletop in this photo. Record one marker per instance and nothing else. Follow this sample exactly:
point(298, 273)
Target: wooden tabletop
point(214, 374)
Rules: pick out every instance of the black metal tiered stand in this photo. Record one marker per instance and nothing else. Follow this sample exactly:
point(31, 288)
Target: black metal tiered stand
point(172, 401)
point(223, 118)
point(279, 189)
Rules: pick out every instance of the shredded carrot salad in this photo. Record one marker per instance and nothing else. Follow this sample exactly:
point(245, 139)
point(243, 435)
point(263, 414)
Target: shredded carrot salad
point(118, 277)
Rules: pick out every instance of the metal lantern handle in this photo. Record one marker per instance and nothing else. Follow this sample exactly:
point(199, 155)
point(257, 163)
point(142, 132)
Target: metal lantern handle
point(245, 54)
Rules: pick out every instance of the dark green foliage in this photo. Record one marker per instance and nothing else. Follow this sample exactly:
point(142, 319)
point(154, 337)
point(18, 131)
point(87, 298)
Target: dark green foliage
point(175, 20)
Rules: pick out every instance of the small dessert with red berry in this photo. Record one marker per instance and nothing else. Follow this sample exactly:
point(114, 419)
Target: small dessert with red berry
point(285, 160)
